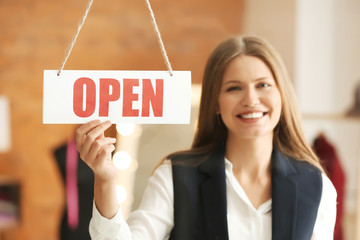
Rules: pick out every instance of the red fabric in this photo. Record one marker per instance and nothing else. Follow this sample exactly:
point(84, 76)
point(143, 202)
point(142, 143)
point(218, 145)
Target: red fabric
point(332, 165)
point(72, 197)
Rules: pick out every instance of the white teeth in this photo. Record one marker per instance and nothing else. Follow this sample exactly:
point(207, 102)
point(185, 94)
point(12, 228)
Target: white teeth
point(252, 115)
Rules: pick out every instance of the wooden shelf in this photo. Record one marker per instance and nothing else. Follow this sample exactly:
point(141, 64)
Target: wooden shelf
point(332, 117)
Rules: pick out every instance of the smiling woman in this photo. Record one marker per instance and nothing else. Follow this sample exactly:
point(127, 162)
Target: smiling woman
point(249, 174)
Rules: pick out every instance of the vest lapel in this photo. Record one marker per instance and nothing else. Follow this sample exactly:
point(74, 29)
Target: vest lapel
point(213, 190)
point(284, 198)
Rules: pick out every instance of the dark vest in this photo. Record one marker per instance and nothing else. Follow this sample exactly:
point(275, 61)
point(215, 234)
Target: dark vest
point(200, 211)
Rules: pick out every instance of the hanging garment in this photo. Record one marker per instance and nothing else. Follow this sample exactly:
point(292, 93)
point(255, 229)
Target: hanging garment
point(78, 181)
point(332, 165)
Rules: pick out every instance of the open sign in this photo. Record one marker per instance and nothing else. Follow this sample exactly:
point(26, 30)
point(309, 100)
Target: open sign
point(120, 96)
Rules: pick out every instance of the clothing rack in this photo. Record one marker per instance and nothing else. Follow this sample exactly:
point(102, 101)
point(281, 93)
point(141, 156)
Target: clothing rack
point(344, 117)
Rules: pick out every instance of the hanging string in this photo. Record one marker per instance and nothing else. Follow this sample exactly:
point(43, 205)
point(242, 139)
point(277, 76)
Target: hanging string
point(75, 37)
point(162, 48)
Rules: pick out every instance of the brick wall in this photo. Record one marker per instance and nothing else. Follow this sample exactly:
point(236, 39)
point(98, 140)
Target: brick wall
point(117, 35)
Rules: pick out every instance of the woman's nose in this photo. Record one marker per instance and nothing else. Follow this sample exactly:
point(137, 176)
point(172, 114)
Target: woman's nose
point(250, 98)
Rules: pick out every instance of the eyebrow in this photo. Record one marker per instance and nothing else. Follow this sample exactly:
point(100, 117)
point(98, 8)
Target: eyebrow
point(238, 81)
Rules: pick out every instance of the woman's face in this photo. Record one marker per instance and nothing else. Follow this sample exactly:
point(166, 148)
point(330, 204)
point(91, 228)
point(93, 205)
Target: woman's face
point(249, 99)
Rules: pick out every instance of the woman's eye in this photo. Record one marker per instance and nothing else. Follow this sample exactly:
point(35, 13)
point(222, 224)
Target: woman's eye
point(233, 88)
point(263, 85)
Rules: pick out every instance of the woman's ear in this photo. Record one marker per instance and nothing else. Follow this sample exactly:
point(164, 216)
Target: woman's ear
point(217, 110)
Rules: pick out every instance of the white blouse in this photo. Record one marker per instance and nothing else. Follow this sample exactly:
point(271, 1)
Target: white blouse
point(154, 219)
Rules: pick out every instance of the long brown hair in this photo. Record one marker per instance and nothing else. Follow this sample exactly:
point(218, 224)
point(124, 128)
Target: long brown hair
point(211, 132)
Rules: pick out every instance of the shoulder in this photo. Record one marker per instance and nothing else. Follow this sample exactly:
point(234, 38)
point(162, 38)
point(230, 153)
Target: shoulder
point(187, 160)
point(329, 193)
point(308, 176)
point(162, 175)
point(286, 166)
point(162, 170)
point(303, 166)
point(196, 157)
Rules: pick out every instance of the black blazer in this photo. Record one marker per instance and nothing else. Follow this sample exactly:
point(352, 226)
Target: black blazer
point(200, 210)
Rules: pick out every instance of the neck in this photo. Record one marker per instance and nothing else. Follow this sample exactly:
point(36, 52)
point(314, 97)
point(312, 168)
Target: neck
point(251, 157)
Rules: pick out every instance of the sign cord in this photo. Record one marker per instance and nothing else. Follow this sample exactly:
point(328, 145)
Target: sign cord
point(162, 48)
point(75, 37)
point(156, 29)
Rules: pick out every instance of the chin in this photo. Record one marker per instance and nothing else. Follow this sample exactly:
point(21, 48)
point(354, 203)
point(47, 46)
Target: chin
point(256, 134)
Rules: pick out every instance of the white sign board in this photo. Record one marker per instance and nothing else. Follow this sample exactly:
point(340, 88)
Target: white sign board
point(119, 96)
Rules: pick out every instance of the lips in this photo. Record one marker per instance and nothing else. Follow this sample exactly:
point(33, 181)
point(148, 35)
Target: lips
point(252, 115)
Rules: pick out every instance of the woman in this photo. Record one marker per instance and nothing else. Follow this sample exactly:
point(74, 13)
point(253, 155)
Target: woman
point(250, 174)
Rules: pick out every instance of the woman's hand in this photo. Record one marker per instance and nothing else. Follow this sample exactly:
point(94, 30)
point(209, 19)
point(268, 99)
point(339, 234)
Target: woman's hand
point(95, 149)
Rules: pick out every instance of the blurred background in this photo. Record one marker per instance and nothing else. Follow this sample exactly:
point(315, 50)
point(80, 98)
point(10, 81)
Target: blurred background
point(318, 40)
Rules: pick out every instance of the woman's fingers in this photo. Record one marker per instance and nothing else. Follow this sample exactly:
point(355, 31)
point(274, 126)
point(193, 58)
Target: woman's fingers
point(81, 132)
point(87, 135)
point(97, 147)
point(103, 158)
